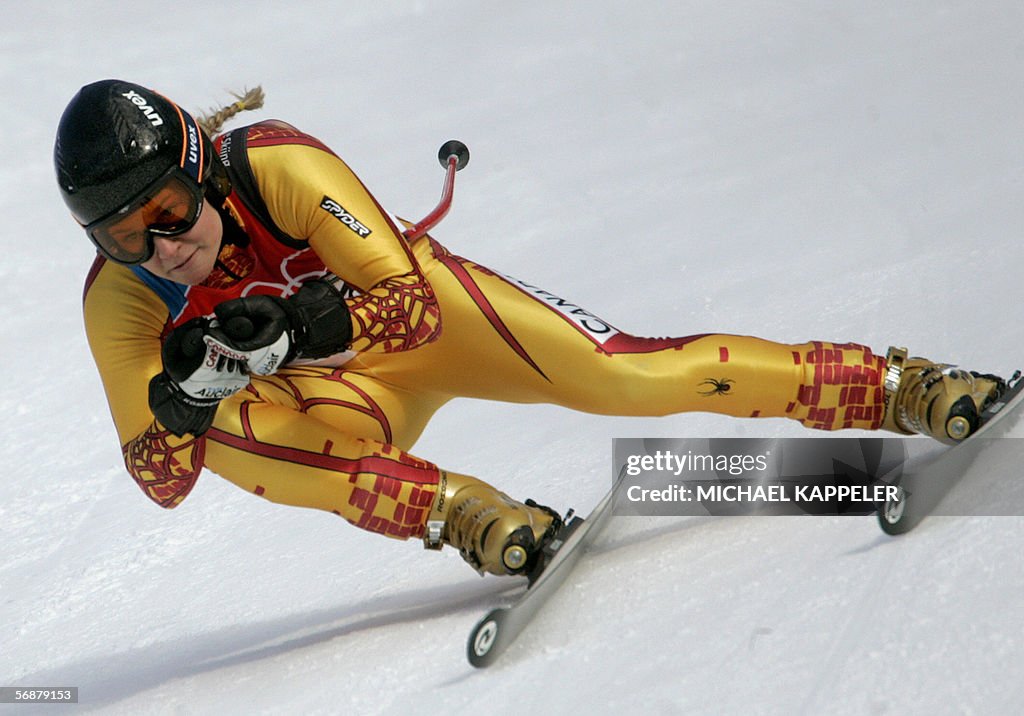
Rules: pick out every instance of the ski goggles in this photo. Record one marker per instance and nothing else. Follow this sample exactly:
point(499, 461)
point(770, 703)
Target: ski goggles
point(170, 206)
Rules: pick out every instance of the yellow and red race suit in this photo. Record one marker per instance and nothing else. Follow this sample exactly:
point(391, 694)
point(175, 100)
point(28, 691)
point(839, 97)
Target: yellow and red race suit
point(428, 326)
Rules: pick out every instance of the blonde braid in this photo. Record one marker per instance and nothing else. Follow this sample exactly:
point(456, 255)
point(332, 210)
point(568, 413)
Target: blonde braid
point(211, 122)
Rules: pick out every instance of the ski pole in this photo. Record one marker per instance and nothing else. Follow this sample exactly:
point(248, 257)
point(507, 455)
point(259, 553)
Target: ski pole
point(453, 155)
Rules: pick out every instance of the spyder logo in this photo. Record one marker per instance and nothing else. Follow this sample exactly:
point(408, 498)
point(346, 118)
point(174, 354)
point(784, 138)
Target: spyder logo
point(721, 386)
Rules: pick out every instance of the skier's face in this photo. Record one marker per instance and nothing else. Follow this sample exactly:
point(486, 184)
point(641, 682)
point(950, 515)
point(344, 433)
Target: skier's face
point(188, 258)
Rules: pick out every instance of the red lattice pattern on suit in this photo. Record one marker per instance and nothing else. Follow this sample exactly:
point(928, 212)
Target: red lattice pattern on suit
point(390, 505)
point(390, 492)
point(397, 315)
point(364, 404)
point(274, 132)
point(842, 388)
point(164, 466)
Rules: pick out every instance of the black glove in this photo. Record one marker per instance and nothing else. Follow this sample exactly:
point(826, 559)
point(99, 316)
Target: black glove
point(313, 323)
point(200, 370)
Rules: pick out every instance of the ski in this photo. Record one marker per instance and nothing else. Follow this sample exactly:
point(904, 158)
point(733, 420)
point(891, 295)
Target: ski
point(502, 625)
point(921, 489)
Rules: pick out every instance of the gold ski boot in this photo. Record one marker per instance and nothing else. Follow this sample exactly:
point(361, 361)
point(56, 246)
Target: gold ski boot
point(493, 532)
point(935, 399)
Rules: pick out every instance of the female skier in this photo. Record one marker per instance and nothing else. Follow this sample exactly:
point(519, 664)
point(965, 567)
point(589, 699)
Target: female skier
point(255, 311)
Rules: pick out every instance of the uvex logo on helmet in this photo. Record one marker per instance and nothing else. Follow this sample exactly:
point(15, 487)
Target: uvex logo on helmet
point(139, 101)
point(193, 144)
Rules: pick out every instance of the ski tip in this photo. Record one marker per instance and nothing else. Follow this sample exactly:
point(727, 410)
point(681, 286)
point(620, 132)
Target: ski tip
point(486, 639)
point(895, 516)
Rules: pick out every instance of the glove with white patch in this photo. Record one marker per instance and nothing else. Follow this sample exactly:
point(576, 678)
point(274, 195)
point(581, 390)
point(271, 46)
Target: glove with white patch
point(313, 323)
point(200, 369)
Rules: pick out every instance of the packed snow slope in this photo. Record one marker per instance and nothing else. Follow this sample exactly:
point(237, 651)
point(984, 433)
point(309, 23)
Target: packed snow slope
point(797, 170)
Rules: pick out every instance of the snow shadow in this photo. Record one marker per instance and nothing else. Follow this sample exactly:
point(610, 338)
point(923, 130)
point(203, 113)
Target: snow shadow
point(110, 678)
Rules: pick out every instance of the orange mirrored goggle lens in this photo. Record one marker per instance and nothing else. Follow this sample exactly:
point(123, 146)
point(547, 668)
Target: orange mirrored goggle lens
point(169, 208)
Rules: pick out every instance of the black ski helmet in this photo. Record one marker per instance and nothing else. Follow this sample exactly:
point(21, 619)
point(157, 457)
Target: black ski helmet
point(116, 138)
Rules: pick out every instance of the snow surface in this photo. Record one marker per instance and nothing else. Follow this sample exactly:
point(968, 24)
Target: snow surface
point(795, 170)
